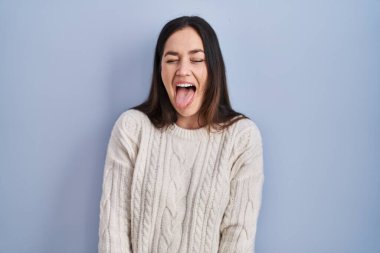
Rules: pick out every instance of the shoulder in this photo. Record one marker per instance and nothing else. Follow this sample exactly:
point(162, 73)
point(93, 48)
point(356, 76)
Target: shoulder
point(246, 135)
point(131, 124)
point(245, 127)
point(133, 118)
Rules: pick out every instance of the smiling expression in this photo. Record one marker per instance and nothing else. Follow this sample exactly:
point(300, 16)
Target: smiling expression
point(184, 74)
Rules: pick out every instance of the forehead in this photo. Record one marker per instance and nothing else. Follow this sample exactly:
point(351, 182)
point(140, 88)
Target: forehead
point(185, 39)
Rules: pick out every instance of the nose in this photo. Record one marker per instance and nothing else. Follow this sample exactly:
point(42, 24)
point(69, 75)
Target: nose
point(183, 69)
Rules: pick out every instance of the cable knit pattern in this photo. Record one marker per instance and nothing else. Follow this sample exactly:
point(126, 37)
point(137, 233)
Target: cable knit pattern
point(180, 190)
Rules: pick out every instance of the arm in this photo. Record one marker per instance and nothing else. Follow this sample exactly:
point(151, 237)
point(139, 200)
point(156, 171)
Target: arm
point(238, 228)
point(114, 223)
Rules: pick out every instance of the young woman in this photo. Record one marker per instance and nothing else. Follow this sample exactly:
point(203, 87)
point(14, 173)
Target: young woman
point(183, 171)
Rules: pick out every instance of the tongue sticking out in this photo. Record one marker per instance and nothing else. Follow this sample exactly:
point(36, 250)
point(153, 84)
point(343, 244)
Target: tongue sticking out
point(184, 96)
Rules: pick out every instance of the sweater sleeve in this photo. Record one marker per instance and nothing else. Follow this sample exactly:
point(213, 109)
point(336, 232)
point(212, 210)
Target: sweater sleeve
point(238, 227)
point(114, 223)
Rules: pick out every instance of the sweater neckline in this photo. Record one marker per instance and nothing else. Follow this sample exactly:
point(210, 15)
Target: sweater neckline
point(197, 133)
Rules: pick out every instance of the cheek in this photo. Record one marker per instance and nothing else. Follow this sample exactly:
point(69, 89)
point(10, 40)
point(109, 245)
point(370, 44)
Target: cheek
point(202, 77)
point(165, 75)
point(162, 73)
point(166, 80)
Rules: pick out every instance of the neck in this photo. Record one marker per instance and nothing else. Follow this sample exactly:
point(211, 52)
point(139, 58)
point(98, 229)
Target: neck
point(190, 122)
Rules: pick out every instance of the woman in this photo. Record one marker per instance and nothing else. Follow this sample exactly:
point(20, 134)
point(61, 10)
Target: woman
point(184, 171)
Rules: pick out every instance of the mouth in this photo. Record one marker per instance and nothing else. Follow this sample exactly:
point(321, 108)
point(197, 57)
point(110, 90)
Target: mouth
point(184, 94)
point(188, 86)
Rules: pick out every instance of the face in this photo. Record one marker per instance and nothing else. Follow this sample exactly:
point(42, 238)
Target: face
point(184, 74)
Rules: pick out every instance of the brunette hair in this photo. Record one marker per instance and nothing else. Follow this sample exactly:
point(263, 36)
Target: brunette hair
point(216, 110)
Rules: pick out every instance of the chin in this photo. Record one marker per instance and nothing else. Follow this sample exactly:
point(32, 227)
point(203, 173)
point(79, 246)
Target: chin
point(187, 112)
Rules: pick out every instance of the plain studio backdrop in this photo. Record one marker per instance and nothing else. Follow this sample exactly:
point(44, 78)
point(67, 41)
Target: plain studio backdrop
point(307, 72)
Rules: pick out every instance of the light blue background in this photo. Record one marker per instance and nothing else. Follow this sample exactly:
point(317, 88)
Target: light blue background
point(307, 72)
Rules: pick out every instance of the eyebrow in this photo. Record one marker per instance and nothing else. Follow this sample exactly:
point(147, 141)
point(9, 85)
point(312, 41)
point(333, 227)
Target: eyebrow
point(194, 51)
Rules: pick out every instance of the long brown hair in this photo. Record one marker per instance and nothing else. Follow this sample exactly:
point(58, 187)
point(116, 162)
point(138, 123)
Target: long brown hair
point(216, 110)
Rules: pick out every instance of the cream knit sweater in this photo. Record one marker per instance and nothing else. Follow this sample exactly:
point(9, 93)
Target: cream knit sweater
point(180, 190)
